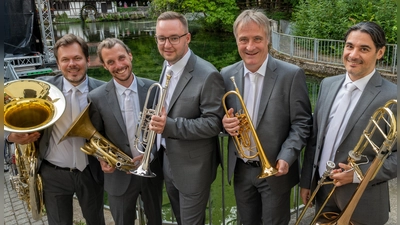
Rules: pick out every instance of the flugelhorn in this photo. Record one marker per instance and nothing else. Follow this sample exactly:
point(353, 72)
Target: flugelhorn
point(98, 145)
point(382, 122)
point(144, 137)
point(30, 106)
point(247, 135)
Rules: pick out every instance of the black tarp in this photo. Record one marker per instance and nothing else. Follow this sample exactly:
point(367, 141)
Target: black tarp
point(21, 33)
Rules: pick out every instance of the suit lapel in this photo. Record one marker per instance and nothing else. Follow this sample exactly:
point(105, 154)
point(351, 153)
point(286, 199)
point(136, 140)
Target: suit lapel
point(239, 80)
point(371, 90)
point(142, 92)
point(183, 80)
point(112, 102)
point(268, 86)
point(328, 102)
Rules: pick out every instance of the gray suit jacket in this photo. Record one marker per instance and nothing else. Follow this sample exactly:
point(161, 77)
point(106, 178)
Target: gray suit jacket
point(373, 207)
point(193, 124)
point(45, 137)
point(107, 118)
point(284, 117)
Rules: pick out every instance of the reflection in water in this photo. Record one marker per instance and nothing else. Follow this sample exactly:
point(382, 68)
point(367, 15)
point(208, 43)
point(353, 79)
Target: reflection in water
point(96, 32)
point(93, 33)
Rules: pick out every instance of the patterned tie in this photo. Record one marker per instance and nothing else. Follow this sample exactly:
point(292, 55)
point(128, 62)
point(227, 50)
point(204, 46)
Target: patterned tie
point(335, 129)
point(171, 87)
point(130, 120)
point(77, 142)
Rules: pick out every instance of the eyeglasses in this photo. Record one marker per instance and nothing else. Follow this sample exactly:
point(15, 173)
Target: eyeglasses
point(174, 39)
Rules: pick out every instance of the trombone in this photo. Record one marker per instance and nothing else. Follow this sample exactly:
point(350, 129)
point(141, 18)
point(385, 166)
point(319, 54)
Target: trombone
point(144, 137)
point(247, 135)
point(382, 117)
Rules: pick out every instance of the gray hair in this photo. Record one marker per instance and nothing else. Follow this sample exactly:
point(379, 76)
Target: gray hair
point(252, 15)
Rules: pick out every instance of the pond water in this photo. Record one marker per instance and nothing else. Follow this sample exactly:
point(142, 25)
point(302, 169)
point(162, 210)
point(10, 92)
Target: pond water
point(219, 49)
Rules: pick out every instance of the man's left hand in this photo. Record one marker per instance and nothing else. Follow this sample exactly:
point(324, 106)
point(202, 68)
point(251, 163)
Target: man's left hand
point(283, 167)
point(343, 175)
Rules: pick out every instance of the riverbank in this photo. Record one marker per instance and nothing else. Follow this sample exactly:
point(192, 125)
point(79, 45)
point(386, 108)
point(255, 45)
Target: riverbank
point(321, 69)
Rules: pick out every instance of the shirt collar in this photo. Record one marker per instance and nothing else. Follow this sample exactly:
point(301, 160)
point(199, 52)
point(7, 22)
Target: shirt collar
point(180, 65)
point(121, 89)
point(360, 83)
point(261, 70)
point(82, 87)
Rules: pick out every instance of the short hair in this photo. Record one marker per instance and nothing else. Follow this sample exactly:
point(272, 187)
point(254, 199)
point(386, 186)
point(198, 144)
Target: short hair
point(70, 39)
point(109, 43)
point(169, 15)
point(252, 15)
point(374, 30)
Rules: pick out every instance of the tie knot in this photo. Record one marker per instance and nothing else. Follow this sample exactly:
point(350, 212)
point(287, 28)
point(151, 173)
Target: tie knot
point(170, 72)
point(75, 90)
point(127, 92)
point(253, 77)
point(350, 87)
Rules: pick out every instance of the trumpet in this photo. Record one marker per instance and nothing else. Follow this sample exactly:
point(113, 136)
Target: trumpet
point(247, 135)
point(383, 116)
point(98, 145)
point(144, 137)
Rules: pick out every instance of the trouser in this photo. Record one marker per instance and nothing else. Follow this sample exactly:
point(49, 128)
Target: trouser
point(59, 187)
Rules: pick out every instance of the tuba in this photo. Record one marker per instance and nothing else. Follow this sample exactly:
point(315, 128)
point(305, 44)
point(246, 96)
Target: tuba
point(98, 145)
point(382, 117)
point(144, 137)
point(247, 135)
point(29, 106)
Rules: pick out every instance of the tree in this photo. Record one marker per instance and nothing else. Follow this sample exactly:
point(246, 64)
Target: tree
point(327, 19)
point(216, 15)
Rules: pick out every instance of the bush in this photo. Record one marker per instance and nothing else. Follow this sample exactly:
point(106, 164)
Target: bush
point(328, 19)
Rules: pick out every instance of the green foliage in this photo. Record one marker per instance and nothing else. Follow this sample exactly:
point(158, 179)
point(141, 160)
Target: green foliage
point(63, 18)
point(216, 15)
point(128, 9)
point(79, 222)
point(328, 19)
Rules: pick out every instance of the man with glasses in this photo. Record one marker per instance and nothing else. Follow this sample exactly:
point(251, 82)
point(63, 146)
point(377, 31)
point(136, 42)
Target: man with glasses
point(190, 121)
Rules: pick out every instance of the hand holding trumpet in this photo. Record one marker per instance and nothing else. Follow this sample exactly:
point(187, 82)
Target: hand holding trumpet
point(157, 123)
point(231, 123)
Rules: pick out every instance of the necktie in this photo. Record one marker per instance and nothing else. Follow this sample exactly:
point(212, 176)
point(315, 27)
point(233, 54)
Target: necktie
point(336, 128)
point(252, 98)
point(171, 87)
point(251, 109)
point(130, 120)
point(77, 142)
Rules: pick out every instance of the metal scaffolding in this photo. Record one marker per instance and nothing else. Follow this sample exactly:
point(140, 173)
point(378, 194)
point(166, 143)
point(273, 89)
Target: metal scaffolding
point(46, 24)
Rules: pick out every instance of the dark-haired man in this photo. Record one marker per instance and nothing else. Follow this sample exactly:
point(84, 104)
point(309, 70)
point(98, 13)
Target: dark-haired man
point(336, 133)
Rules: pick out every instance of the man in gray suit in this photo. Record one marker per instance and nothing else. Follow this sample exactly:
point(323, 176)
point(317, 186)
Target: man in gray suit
point(107, 113)
point(364, 45)
point(191, 121)
point(281, 114)
point(61, 173)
